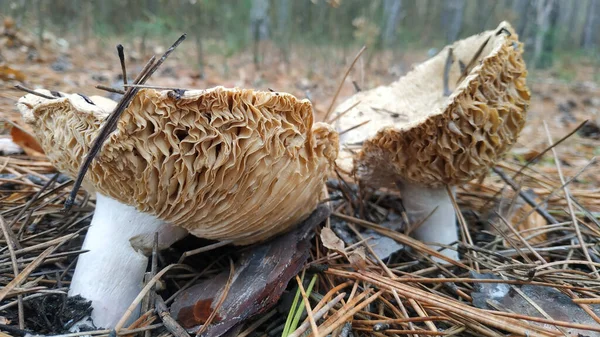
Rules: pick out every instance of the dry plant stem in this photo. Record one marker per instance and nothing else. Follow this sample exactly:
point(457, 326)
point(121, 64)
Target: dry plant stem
point(403, 239)
point(33, 92)
point(13, 258)
point(546, 321)
point(317, 315)
point(111, 122)
point(122, 60)
point(595, 300)
point(108, 127)
point(570, 204)
point(144, 291)
point(330, 293)
point(309, 313)
point(31, 201)
point(203, 249)
point(330, 108)
point(584, 307)
point(170, 323)
point(440, 227)
point(354, 309)
point(443, 303)
point(539, 204)
point(111, 273)
point(110, 89)
point(19, 279)
point(463, 224)
point(471, 63)
point(525, 196)
point(403, 312)
point(404, 332)
point(354, 127)
point(157, 87)
point(213, 314)
point(341, 114)
point(516, 233)
point(449, 61)
point(534, 159)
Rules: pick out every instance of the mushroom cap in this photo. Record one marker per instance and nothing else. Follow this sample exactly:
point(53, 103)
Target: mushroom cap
point(226, 164)
point(418, 135)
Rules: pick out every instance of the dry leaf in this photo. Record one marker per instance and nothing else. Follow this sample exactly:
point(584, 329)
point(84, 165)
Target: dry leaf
point(521, 217)
point(331, 241)
point(4, 320)
point(26, 141)
point(358, 258)
point(261, 276)
point(533, 221)
point(8, 73)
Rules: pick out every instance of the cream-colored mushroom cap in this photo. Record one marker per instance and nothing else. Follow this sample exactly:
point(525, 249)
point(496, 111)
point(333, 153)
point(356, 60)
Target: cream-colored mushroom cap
point(226, 164)
point(418, 135)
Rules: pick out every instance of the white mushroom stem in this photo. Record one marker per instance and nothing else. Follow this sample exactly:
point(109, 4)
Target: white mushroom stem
point(438, 224)
point(111, 273)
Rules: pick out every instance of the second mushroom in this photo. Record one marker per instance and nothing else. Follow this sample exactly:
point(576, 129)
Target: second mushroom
point(425, 139)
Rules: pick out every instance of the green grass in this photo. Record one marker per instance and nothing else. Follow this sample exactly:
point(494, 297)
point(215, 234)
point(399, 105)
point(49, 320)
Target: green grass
point(297, 309)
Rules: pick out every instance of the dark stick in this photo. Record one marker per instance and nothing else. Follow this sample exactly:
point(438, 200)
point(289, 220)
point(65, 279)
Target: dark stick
point(503, 30)
point(462, 66)
point(110, 89)
point(471, 63)
point(162, 59)
point(28, 204)
point(14, 330)
point(111, 123)
point(170, 323)
point(356, 87)
point(525, 196)
point(449, 61)
point(22, 88)
point(122, 59)
point(108, 127)
point(157, 87)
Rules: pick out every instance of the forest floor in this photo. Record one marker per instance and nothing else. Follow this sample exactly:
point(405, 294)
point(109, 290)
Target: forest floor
point(316, 74)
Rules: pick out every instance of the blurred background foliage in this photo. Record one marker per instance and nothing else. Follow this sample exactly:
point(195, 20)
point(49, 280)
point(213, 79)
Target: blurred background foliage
point(556, 32)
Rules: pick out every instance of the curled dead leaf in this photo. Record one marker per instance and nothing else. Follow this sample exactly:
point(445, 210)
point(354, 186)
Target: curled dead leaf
point(26, 141)
point(358, 258)
point(332, 242)
point(7, 73)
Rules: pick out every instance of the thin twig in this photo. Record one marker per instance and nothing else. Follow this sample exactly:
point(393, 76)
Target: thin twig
point(449, 61)
point(144, 291)
point(110, 89)
point(317, 315)
point(33, 92)
point(311, 318)
point(13, 258)
point(326, 117)
point(528, 199)
point(203, 249)
point(122, 59)
point(535, 158)
point(354, 127)
point(224, 294)
point(570, 204)
point(111, 122)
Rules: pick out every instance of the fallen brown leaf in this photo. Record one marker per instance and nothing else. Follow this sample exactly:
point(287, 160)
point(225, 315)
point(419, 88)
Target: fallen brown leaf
point(7, 73)
point(26, 141)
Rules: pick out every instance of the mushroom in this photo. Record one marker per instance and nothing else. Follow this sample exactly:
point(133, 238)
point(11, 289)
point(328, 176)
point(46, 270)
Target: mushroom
point(233, 165)
point(423, 141)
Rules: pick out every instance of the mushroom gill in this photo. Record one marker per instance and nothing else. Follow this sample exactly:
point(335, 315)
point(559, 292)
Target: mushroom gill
point(225, 164)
